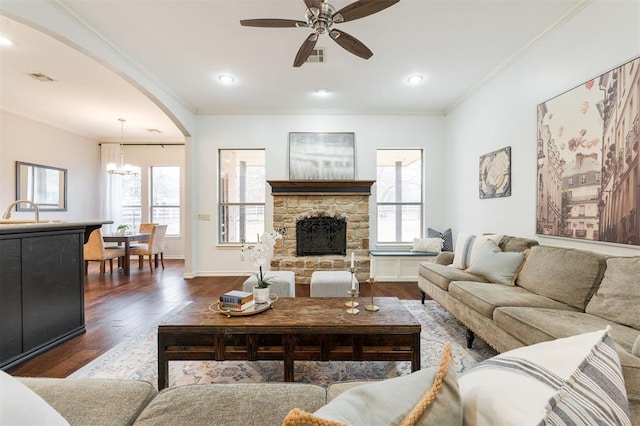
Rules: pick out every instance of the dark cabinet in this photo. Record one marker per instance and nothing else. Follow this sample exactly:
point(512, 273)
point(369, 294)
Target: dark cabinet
point(41, 291)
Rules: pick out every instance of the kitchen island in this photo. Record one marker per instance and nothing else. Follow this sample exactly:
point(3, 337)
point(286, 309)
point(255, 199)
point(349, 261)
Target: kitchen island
point(41, 286)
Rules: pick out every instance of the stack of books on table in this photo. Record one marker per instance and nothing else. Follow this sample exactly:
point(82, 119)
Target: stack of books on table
point(236, 301)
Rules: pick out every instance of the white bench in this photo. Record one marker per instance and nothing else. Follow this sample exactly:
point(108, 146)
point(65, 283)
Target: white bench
point(331, 284)
point(398, 265)
point(283, 283)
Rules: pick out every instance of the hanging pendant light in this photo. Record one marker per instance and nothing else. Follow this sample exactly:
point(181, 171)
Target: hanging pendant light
point(122, 169)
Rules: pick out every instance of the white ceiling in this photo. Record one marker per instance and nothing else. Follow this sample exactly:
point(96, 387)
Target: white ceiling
point(185, 44)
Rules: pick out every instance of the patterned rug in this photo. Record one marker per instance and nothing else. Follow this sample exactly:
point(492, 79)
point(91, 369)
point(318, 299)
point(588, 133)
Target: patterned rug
point(136, 358)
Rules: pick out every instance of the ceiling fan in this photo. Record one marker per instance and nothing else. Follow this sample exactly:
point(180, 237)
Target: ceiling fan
point(321, 16)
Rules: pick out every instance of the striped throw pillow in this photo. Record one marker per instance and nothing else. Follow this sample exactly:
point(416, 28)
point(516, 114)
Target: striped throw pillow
point(574, 380)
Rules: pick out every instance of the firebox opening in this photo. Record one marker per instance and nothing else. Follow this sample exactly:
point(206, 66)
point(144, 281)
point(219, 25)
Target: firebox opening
point(321, 235)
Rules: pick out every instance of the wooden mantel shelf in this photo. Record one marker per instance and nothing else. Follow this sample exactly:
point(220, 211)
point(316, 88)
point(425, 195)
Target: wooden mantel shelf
point(321, 187)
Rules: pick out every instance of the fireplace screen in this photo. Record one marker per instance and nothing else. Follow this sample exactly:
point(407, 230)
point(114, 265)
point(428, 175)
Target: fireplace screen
point(321, 235)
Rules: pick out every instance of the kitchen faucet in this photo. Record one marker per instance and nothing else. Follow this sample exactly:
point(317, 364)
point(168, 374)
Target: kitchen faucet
point(7, 213)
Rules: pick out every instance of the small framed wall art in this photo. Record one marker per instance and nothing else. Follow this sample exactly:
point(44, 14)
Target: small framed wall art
point(495, 174)
point(322, 156)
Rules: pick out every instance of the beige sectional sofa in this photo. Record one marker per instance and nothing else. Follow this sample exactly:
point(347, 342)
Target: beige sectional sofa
point(558, 292)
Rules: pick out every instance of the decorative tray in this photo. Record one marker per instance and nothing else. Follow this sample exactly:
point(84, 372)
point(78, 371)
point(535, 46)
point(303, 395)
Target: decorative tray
point(255, 309)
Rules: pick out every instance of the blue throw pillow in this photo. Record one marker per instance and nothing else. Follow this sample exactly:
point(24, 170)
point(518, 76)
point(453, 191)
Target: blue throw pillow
point(445, 235)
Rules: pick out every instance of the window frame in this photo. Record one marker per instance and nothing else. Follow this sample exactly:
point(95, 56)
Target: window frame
point(419, 203)
point(222, 205)
point(153, 206)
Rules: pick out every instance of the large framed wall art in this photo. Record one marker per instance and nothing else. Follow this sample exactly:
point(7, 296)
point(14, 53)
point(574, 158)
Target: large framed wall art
point(322, 156)
point(588, 173)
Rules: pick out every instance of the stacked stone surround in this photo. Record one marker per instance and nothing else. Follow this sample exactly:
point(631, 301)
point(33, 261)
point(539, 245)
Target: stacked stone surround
point(289, 208)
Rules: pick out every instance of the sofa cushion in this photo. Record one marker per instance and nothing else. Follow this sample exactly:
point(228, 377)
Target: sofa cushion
point(425, 397)
point(567, 275)
point(534, 325)
point(468, 246)
point(618, 297)
point(442, 275)
point(226, 404)
point(635, 350)
point(518, 244)
point(446, 235)
point(484, 298)
point(495, 265)
point(19, 405)
point(92, 401)
point(548, 383)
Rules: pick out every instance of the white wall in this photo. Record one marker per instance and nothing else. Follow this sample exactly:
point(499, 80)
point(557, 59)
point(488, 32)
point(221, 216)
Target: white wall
point(22, 139)
point(503, 113)
point(271, 132)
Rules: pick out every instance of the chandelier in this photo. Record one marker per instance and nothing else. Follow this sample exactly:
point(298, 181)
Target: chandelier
point(122, 169)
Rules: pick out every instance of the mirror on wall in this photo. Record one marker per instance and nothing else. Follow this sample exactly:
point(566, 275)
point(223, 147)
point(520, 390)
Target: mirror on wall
point(46, 186)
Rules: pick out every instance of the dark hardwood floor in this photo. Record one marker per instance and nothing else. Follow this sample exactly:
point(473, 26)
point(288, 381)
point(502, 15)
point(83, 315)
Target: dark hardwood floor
point(118, 307)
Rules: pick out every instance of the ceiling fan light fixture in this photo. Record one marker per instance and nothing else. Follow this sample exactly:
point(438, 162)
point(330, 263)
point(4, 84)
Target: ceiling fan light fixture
point(415, 79)
point(226, 79)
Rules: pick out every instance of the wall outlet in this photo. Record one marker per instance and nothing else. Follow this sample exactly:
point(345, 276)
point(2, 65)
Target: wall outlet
point(204, 217)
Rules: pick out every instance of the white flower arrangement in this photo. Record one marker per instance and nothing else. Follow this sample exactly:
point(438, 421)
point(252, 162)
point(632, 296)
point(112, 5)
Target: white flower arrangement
point(260, 254)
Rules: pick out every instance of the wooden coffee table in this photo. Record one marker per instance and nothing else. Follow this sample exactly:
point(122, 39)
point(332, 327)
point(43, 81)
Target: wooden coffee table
point(300, 328)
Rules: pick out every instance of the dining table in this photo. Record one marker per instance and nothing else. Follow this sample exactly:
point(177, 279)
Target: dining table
point(126, 239)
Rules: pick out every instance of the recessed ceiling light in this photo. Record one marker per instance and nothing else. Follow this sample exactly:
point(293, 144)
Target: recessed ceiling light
point(415, 79)
point(4, 41)
point(323, 91)
point(226, 79)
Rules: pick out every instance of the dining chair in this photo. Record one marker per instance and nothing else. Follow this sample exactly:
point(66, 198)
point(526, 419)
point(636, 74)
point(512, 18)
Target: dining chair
point(95, 251)
point(154, 247)
point(146, 228)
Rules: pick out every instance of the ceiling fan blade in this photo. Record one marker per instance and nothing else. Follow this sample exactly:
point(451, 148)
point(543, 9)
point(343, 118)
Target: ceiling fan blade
point(305, 50)
point(360, 9)
point(273, 23)
point(351, 44)
point(312, 3)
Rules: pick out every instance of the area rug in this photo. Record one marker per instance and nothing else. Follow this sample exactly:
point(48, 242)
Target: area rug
point(136, 358)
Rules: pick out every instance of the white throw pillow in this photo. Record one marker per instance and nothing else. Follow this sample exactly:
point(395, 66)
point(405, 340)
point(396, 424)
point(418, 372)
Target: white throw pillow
point(433, 245)
point(19, 405)
point(548, 383)
point(495, 265)
point(468, 246)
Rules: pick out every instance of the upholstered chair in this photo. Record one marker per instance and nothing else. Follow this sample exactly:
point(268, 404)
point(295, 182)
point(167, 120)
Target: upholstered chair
point(94, 250)
point(146, 228)
point(155, 247)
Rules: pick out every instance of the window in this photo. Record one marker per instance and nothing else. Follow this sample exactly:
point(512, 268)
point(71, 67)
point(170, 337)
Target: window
point(165, 197)
point(132, 199)
point(583, 179)
point(399, 195)
point(242, 195)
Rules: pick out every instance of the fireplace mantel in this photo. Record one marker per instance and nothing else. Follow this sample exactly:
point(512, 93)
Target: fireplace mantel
point(321, 187)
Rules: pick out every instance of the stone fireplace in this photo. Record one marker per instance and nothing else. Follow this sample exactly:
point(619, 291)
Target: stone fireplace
point(323, 222)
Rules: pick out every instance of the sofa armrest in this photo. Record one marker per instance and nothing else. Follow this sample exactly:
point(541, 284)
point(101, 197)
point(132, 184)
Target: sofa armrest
point(445, 258)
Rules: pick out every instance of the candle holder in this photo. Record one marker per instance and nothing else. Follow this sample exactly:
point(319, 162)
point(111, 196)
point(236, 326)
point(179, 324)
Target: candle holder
point(352, 304)
point(353, 310)
point(353, 292)
point(371, 307)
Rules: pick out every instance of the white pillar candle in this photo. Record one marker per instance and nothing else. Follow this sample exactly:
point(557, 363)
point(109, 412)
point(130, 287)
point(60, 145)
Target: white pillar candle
point(353, 281)
point(352, 259)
